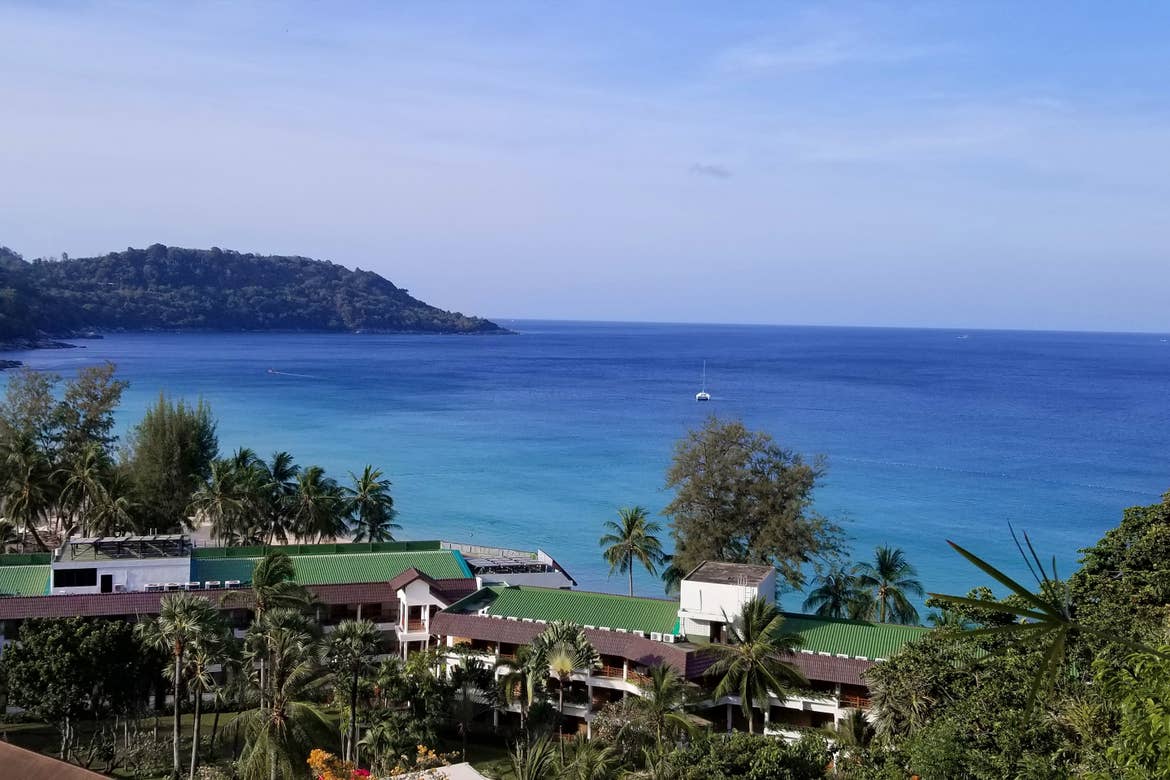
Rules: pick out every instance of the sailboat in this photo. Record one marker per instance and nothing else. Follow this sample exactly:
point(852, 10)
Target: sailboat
point(703, 395)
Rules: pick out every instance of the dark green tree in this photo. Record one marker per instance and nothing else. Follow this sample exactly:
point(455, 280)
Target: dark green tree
point(887, 583)
point(169, 457)
point(741, 497)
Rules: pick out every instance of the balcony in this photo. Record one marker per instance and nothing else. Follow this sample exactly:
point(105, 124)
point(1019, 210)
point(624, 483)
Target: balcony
point(613, 672)
point(853, 702)
point(415, 624)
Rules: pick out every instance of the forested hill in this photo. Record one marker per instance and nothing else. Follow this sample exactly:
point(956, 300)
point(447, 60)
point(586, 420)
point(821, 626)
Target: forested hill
point(168, 288)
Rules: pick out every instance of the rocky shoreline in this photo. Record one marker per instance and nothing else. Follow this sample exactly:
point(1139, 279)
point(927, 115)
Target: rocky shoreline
point(40, 342)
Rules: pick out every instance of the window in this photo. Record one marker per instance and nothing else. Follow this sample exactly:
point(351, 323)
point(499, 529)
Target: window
point(74, 578)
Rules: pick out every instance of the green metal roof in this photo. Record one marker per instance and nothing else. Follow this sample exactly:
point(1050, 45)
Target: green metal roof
point(318, 569)
point(577, 606)
point(24, 580)
point(854, 638)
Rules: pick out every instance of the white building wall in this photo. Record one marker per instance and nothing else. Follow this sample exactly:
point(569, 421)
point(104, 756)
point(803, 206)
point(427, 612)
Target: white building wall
point(702, 603)
point(131, 574)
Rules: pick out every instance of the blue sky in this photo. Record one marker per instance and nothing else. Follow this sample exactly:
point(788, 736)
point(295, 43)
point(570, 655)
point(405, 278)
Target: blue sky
point(969, 165)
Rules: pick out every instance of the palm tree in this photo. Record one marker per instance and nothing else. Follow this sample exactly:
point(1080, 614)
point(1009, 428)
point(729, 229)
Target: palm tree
point(220, 502)
point(535, 760)
point(560, 651)
point(277, 484)
point(889, 580)
point(520, 681)
point(9, 536)
point(665, 696)
point(84, 484)
point(592, 761)
point(469, 677)
point(211, 648)
point(315, 506)
point(835, 594)
point(114, 512)
point(752, 666)
point(27, 487)
point(632, 538)
point(280, 732)
point(352, 647)
point(371, 506)
point(183, 620)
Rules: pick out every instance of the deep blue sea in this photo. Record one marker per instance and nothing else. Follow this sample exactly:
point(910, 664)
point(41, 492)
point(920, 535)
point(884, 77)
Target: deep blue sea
point(536, 439)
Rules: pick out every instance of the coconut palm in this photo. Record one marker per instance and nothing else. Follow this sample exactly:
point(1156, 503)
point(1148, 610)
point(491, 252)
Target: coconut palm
point(559, 651)
point(371, 507)
point(215, 647)
point(665, 697)
point(280, 732)
point(852, 733)
point(277, 484)
point(632, 538)
point(183, 620)
point(834, 594)
point(315, 506)
point(83, 485)
point(114, 511)
point(352, 648)
point(220, 502)
point(888, 581)
point(752, 666)
point(26, 490)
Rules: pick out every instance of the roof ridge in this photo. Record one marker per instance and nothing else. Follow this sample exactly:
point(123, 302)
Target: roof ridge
point(852, 621)
point(584, 592)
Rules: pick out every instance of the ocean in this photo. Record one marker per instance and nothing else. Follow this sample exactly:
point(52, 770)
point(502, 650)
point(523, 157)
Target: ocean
point(534, 440)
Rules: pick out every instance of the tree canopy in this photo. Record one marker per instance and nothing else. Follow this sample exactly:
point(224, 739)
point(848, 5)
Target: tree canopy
point(741, 497)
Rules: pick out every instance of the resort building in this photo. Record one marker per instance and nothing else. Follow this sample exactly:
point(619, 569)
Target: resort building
point(490, 601)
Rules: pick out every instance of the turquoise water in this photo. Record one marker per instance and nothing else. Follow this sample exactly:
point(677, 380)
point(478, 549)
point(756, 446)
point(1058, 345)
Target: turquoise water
point(536, 439)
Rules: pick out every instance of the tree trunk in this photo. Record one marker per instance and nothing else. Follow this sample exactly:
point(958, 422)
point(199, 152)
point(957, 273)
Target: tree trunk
point(351, 749)
point(561, 719)
point(630, 565)
point(214, 726)
point(177, 710)
point(195, 733)
point(751, 714)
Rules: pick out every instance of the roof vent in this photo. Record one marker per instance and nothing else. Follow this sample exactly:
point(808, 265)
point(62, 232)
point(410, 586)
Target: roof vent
point(621, 630)
point(527, 620)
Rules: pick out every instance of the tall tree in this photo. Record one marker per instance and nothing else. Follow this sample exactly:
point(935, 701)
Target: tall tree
point(633, 537)
point(753, 665)
point(352, 648)
point(315, 507)
point(741, 497)
point(559, 651)
point(183, 620)
point(278, 484)
point(86, 411)
point(371, 507)
point(834, 594)
point(85, 486)
point(28, 410)
point(213, 647)
point(26, 485)
point(170, 455)
point(888, 582)
point(221, 502)
point(280, 733)
point(520, 681)
point(665, 697)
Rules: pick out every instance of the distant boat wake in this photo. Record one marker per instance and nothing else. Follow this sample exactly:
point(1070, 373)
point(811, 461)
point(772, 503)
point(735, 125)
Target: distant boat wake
point(289, 373)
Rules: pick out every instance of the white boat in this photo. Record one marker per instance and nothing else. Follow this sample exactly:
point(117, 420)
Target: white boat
point(703, 395)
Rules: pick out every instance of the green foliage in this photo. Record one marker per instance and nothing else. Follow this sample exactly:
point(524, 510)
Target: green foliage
point(753, 663)
point(633, 538)
point(883, 586)
point(169, 455)
point(741, 497)
point(1141, 688)
point(752, 757)
point(169, 288)
point(371, 507)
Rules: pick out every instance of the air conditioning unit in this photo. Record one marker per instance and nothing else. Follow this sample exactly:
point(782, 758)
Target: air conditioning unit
point(119, 589)
point(173, 586)
point(214, 585)
point(669, 638)
point(657, 637)
point(194, 585)
point(527, 620)
point(152, 587)
point(621, 630)
point(231, 583)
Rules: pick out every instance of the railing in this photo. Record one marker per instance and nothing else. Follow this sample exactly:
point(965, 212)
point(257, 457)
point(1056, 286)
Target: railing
point(416, 625)
point(637, 678)
point(610, 671)
point(856, 702)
